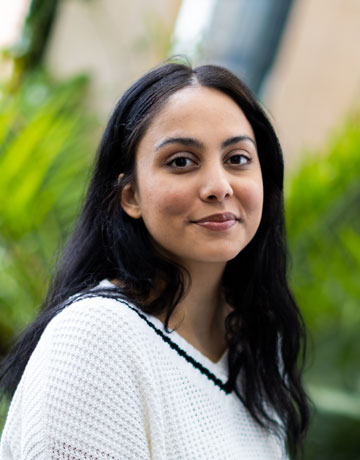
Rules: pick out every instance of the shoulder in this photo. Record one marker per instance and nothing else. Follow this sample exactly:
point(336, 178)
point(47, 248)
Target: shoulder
point(94, 343)
point(98, 313)
point(97, 327)
point(87, 371)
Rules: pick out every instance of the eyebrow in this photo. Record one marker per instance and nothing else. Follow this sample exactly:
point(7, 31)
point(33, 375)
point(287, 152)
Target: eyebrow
point(187, 141)
point(236, 139)
point(192, 142)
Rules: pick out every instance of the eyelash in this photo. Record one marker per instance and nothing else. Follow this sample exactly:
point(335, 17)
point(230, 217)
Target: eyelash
point(248, 159)
point(178, 158)
point(169, 164)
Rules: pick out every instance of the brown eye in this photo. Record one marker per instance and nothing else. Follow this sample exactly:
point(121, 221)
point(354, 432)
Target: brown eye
point(180, 162)
point(238, 160)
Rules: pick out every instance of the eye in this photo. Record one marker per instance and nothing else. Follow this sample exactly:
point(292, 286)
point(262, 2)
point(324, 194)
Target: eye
point(238, 159)
point(180, 162)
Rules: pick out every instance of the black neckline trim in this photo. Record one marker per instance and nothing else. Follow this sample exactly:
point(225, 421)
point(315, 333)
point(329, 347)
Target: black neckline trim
point(225, 387)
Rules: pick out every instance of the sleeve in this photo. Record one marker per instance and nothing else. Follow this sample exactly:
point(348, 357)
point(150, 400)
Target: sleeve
point(92, 401)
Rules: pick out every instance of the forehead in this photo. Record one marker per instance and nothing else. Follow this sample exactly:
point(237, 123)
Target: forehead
point(199, 112)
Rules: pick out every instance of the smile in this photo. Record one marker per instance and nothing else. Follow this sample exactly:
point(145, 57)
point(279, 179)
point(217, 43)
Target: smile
point(218, 222)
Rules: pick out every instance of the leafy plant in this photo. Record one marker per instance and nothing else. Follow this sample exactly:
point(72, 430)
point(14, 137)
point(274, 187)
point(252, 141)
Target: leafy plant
point(45, 151)
point(323, 222)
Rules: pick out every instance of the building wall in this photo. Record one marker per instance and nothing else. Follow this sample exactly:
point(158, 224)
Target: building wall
point(114, 41)
point(315, 82)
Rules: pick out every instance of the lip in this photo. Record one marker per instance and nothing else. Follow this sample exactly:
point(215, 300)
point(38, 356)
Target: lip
point(221, 217)
point(218, 222)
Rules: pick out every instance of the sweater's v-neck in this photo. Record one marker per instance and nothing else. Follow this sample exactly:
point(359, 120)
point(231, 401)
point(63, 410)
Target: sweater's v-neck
point(218, 367)
point(215, 371)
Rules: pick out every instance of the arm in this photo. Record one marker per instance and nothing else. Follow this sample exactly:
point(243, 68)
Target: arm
point(84, 396)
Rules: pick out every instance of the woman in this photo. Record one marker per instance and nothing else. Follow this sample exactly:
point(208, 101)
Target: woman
point(182, 228)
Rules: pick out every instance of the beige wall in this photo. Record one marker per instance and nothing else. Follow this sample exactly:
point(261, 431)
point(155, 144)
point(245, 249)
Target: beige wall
point(316, 79)
point(113, 40)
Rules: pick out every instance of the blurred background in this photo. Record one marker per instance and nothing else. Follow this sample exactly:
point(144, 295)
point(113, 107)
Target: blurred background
point(64, 64)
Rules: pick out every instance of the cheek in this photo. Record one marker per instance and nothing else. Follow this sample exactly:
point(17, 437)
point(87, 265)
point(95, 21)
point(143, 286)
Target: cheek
point(166, 201)
point(175, 207)
point(253, 197)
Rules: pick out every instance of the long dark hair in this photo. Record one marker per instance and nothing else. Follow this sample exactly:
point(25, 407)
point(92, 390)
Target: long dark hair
point(265, 330)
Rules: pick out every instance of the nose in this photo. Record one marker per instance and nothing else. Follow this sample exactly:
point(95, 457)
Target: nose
point(215, 185)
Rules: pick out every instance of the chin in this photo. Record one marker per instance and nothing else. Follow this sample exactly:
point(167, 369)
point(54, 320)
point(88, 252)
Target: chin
point(216, 257)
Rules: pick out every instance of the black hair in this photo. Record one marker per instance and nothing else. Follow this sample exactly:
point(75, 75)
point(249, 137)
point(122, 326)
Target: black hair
point(265, 330)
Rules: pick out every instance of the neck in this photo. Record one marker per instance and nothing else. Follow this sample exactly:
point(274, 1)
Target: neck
point(200, 315)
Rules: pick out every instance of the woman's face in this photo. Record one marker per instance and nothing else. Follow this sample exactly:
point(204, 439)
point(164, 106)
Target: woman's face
point(198, 183)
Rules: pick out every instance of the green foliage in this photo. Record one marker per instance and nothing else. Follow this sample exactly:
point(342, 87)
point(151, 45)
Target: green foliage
point(4, 406)
point(29, 51)
point(35, 34)
point(323, 222)
point(334, 438)
point(45, 152)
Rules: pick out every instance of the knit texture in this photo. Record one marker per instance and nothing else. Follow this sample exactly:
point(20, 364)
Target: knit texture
point(107, 382)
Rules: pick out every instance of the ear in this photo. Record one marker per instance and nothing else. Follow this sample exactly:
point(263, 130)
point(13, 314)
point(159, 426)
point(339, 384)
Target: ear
point(129, 199)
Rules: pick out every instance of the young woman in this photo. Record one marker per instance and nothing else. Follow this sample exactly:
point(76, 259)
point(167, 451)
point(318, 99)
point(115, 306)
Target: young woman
point(169, 331)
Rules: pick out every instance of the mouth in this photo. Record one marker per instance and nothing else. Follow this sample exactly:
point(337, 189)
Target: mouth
point(221, 217)
point(218, 222)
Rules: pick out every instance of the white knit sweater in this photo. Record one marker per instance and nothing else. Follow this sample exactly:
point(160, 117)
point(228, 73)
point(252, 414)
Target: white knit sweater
point(106, 382)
